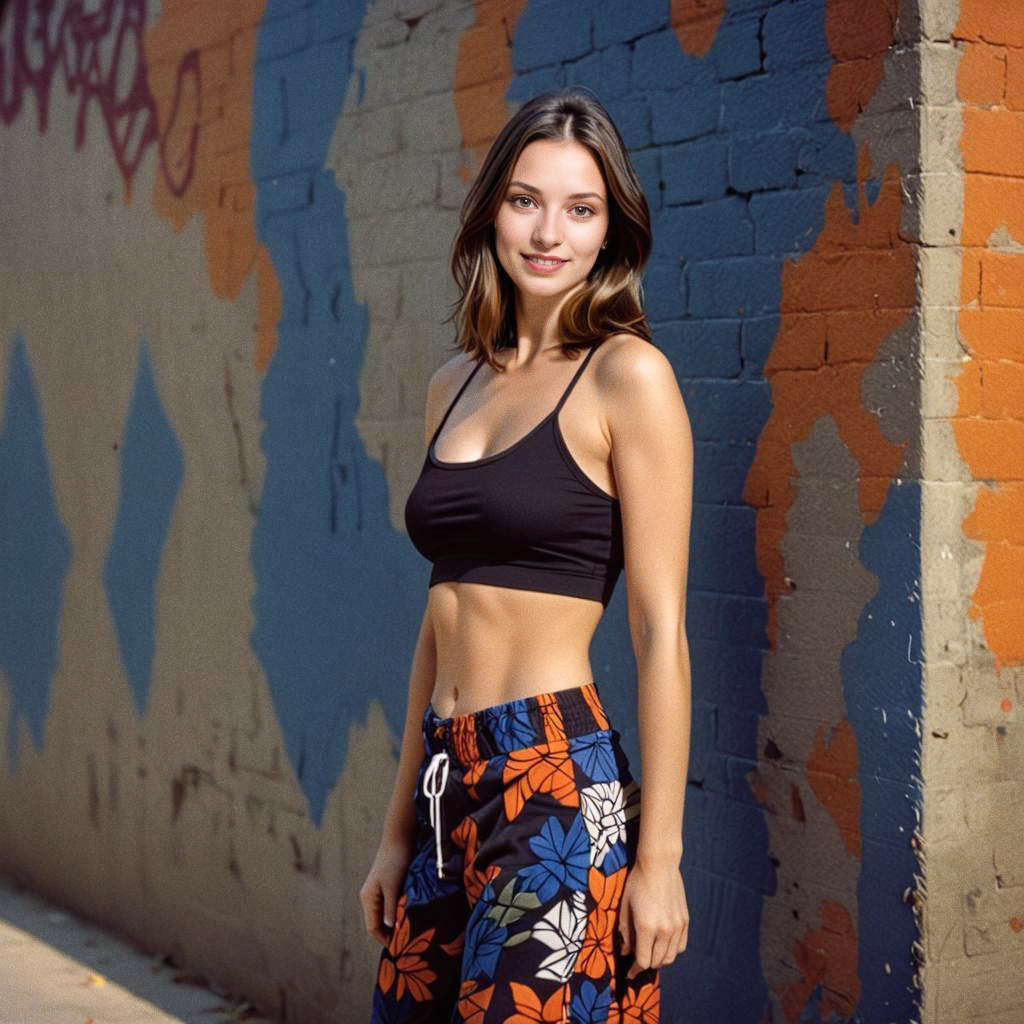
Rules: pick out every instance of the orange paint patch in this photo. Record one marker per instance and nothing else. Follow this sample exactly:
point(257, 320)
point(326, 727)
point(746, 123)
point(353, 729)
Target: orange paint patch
point(981, 74)
point(859, 34)
point(991, 203)
point(1002, 283)
point(990, 141)
point(839, 303)
point(832, 774)
point(826, 956)
point(206, 117)
point(796, 804)
point(1014, 98)
point(989, 419)
point(483, 71)
point(696, 24)
point(1006, 705)
point(992, 21)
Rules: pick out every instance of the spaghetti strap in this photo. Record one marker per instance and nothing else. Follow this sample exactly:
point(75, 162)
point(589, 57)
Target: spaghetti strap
point(451, 405)
point(575, 377)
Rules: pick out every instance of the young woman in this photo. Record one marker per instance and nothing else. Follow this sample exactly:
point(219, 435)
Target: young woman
point(520, 877)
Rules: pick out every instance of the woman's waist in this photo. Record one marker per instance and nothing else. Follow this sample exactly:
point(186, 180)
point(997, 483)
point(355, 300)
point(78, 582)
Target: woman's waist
point(556, 715)
point(460, 691)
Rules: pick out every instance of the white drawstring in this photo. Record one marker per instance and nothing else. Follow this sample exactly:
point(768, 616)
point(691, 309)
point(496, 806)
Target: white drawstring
point(439, 760)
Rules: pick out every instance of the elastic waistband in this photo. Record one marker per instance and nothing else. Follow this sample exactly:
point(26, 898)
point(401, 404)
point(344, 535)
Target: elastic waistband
point(526, 722)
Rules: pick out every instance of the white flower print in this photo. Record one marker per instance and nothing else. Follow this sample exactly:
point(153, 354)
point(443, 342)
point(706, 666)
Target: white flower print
point(606, 806)
point(562, 929)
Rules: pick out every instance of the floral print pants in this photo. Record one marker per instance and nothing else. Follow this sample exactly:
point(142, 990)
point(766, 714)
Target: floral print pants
point(527, 824)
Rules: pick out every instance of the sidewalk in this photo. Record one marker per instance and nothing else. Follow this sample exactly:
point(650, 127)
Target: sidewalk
point(56, 968)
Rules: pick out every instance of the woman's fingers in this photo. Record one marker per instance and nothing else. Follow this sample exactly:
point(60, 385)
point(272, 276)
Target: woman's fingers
point(642, 953)
point(373, 899)
point(659, 948)
point(671, 948)
point(683, 933)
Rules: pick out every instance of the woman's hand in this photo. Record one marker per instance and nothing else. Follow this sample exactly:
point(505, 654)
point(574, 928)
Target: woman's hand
point(654, 917)
point(380, 892)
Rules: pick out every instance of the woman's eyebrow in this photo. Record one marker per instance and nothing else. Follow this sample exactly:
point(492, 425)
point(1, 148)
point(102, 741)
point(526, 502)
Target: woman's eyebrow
point(574, 195)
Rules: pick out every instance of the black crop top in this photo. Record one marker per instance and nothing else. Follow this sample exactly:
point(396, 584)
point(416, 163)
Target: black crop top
point(526, 517)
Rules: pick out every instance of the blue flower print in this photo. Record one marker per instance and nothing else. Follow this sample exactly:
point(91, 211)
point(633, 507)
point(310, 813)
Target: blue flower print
point(615, 858)
point(484, 939)
point(564, 858)
point(595, 754)
point(419, 885)
point(589, 1006)
point(386, 1010)
point(514, 730)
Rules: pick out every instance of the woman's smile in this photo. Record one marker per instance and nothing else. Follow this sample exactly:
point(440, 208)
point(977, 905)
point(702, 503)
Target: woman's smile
point(543, 265)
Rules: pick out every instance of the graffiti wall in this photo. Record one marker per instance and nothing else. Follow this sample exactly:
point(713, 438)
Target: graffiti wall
point(224, 238)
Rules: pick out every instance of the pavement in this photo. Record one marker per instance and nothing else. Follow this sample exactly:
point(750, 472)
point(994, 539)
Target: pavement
point(59, 968)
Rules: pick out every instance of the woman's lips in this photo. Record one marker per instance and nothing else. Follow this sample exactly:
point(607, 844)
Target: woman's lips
point(543, 268)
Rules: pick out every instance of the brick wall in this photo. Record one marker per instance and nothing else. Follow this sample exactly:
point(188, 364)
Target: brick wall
point(225, 246)
point(972, 130)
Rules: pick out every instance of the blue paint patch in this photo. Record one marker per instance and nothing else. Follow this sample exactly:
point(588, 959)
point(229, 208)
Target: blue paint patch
point(335, 625)
point(881, 672)
point(35, 553)
point(152, 469)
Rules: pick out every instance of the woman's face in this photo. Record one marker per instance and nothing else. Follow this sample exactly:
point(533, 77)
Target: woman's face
point(555, 206)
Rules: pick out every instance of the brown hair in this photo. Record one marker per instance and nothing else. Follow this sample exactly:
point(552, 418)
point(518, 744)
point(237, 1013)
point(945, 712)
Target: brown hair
point(612, 300)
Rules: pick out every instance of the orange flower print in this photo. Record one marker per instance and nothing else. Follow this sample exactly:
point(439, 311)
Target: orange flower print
point(596, 708)
point(465, 837)
point(642, 1005)
point(473, 775)
point(596, 957)
point(554, 722)
point(544, 768)
point(529, 1009)
point(403, 966)
point(473, 1001)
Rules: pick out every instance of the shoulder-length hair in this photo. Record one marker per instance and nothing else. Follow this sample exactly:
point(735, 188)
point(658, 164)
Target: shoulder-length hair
point(612, 300)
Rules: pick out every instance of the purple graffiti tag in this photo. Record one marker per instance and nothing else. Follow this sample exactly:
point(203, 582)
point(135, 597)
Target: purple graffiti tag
point(102, 58)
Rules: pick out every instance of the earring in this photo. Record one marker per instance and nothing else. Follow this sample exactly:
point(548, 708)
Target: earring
point(604, 243)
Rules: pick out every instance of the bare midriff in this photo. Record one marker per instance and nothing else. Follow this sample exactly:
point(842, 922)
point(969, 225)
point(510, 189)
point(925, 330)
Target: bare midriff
point(495, 644)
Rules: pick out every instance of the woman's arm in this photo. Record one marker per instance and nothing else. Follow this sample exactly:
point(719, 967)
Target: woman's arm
point(380, 892)
point(652, 457)
point(400, 819)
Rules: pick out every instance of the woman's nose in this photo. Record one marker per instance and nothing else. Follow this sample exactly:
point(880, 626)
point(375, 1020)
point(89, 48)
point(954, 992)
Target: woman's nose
point(545, 232)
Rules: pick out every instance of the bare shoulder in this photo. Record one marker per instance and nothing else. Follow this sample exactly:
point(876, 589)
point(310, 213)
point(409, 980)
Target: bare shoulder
point(633, 372)
point(441, 388)
point(648, 422)
point(450, 373)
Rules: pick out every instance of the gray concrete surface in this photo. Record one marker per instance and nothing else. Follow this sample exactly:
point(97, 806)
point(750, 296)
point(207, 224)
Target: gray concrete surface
point(58, 968)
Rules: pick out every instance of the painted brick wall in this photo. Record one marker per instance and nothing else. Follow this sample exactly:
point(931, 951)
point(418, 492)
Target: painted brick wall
point(973, 130)
point(225, 243)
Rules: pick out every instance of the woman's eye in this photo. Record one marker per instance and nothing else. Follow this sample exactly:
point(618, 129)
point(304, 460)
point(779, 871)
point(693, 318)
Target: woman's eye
point(579, 206)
